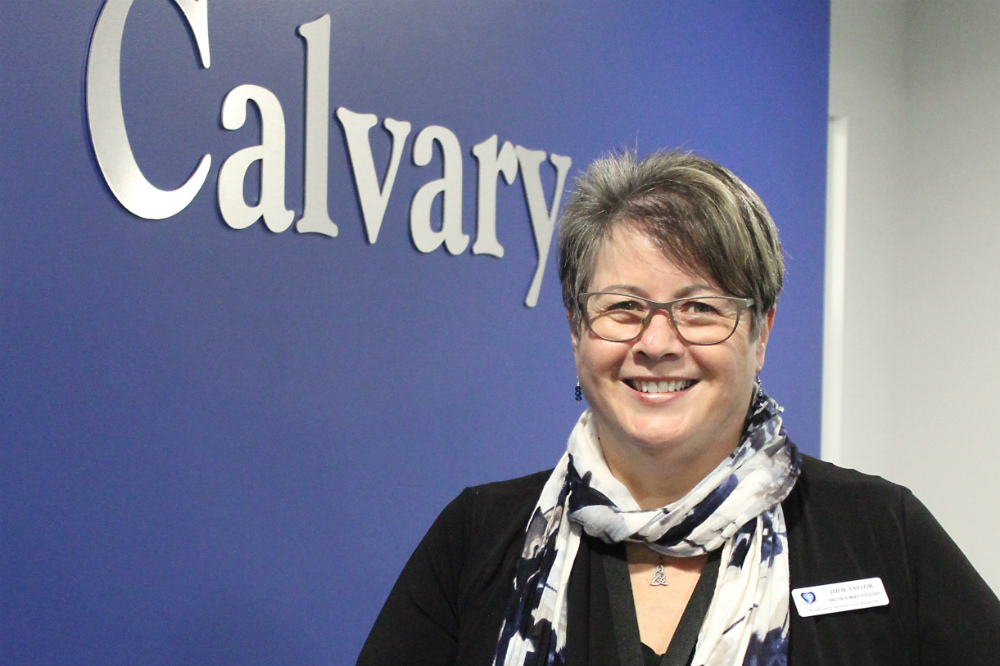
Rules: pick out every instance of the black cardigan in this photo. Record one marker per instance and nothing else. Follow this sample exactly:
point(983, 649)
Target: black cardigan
point(447, 606)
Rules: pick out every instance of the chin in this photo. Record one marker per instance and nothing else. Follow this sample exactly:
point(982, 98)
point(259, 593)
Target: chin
point(657, 433)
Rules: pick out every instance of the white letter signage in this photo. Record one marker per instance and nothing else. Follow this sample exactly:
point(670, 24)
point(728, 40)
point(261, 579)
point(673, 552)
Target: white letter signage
point(107, 121)
point(373, 198)
point(315, 214)
point(270, 152)
point(373, 183)
point(543, 219)
point(449, 186)
point(491, 165)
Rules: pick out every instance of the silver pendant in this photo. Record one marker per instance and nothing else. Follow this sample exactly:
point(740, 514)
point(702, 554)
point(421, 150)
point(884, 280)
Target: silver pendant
point(659, 576)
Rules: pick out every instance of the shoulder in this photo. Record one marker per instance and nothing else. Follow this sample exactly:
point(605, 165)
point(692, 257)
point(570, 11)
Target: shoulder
point(498, 508)
point(493, 507)
point(513, 492)
point(826, 492)
point(823, 477)
point(837, 505)
point(827, 489)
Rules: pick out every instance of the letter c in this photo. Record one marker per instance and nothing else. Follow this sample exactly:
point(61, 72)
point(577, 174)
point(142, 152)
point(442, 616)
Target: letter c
point(107, 120)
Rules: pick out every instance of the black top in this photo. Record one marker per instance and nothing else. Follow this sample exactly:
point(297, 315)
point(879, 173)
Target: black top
point(600, 582)
point(631, 651)
point(447, 606)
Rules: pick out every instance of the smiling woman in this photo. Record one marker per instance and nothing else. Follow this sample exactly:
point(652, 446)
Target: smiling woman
point(681, 519)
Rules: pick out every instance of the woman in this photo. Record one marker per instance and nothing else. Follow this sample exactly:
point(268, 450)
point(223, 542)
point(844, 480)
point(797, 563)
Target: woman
point(681, 519)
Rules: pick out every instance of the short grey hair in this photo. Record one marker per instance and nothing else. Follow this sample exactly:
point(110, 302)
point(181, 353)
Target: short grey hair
point(703, 218)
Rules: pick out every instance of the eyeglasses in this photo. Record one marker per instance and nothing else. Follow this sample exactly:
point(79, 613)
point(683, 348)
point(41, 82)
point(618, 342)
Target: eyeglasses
point(705, 320)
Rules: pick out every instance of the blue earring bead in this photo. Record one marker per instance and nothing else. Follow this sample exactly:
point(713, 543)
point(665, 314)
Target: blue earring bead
point(579, 392)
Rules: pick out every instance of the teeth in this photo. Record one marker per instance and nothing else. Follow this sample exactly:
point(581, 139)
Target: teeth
point(663, 387)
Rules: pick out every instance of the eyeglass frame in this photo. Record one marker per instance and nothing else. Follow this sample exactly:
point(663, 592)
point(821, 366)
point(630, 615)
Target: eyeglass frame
point(666, 306)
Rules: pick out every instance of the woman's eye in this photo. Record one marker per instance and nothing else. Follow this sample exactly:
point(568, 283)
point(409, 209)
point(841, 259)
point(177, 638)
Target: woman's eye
point(696, 307)
point(627, 306)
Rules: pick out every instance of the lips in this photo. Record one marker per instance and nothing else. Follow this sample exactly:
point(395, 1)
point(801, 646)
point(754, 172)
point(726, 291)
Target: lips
point(653, 386)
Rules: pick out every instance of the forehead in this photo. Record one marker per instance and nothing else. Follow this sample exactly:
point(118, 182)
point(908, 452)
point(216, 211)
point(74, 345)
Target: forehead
point(629, 257)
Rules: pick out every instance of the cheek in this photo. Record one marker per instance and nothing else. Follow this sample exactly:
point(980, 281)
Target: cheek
point(595, 358)
point(585, 357)
point(747, 353)
point(736, 365)
point(579, 359)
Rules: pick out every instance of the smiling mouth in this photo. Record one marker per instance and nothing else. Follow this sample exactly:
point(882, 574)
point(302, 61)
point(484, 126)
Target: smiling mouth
point(672, 386)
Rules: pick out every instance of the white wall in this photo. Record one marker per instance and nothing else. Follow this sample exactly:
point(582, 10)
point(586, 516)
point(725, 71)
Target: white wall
point(919, 82)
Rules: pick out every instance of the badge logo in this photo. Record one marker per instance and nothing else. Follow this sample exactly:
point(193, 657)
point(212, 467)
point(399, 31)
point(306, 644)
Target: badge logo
point(809, 597)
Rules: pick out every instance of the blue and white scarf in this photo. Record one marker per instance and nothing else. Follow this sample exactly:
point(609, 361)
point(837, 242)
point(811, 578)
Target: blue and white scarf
point(737, 507)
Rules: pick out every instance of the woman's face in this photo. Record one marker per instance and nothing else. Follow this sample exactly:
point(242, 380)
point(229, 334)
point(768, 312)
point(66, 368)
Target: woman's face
point(659, 393)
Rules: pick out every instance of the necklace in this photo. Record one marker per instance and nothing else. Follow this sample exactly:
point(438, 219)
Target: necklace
point(659, 576)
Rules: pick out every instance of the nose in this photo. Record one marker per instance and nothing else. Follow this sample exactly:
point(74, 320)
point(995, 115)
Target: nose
point(659, 338)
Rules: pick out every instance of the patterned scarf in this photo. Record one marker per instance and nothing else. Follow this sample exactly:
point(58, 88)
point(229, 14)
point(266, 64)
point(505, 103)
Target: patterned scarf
point(737, 507)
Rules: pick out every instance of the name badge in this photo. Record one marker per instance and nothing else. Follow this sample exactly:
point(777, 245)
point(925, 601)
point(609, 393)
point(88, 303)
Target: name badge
point(839, 597)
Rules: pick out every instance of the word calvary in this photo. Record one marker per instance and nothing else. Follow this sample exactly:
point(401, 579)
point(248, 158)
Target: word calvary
point(123, 175)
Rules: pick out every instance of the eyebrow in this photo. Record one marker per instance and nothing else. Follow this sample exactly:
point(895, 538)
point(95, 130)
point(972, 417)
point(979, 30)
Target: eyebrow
point(684, 292)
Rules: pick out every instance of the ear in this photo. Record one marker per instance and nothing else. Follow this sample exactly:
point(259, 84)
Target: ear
point(762, 336)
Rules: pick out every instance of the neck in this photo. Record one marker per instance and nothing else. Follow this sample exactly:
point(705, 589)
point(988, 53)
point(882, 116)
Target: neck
point(658, 476)
point(653, 479)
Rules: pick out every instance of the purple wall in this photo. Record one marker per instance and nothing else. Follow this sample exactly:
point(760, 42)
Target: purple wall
point(219, 446)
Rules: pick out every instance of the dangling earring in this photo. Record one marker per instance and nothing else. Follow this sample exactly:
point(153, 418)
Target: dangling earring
point(760, 389)
point(578, 394)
